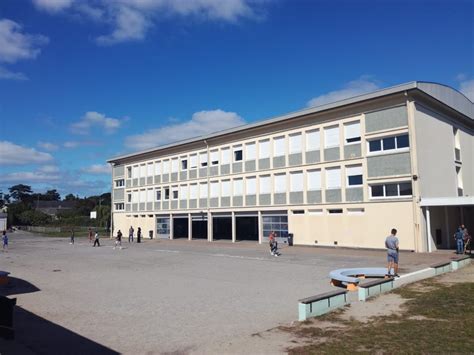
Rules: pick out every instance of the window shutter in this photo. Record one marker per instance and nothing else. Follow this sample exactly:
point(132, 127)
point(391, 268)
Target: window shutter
point(174, 165)
point(278, 146)
point(333, 178)
point(264, 149)
point(193, 161)
point(158, 168)
point(296, 181)
point(295, 143)
point(215, 156)
point(225, 188)
point(251, 186)
point(183, 192)
point(265, 185)
point(150, 195)
point(166, 167)
point(313, 140)
point(314, 180)
point(150, 169)
point(331, 137)
point(225, 156)
point(280, 183)
point(250, 151)
point(238, 187)
point(214, 188)
point(193, 191)
point(142, 171)
point(203, 190)
point(352, 131)
point(203, 158)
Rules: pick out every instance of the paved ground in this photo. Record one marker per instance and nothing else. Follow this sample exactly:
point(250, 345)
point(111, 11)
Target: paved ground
point(165, 296)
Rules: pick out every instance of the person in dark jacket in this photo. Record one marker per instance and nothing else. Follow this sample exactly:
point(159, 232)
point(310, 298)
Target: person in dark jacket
point(139, 235)
point(459, 237)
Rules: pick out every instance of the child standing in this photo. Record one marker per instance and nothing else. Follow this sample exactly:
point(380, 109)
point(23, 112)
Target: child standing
point(72, 237)
point(5, 241)
point(96, 240)
point(118, 240)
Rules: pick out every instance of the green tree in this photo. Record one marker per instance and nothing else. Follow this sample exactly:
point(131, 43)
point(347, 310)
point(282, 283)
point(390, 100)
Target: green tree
point(34, 218)
point(21, 192)
point(70, 197)
point(52, 195)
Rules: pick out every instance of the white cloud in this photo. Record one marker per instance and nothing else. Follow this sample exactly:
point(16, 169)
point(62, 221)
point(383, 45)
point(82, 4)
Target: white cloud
point(6, 74)
point(203, 122)
point(353, 88)
point(97, 169)
point(467, 88)
point(48, 169)
point(51, 147)
point(12, 154)
point(15, 45)
point(52, 5)
point(95, 119)
point(28, 177)
point(131, 19)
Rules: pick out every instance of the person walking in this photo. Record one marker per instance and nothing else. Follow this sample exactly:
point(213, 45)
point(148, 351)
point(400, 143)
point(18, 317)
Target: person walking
point(467, 239)
point(273, 244)
point(392, 244)
point(96, 239)
point(72, 236)
point(139, 235)
point(118, 240)
point(130, 234)
point(5, 241)
point(90, 235)
point(459, 237)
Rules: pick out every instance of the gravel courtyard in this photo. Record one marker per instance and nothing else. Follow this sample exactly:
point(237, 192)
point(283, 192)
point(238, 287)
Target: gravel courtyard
point(165, 296)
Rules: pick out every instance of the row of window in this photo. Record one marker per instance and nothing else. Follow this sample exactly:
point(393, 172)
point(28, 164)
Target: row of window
point(248, 151)
point(235, 187)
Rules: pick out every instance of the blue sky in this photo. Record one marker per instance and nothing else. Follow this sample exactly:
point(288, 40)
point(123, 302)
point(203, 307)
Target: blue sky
point(82, 81)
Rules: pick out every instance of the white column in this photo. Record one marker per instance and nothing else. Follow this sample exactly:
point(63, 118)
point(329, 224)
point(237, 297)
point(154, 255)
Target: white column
point(190, 227)
point(233, 228)
point(260, 227)
point(171, 227)
point(428, 229)
point(209, 227)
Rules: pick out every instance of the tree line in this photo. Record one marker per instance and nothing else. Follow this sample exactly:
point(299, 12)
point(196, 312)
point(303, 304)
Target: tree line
point(22, 203)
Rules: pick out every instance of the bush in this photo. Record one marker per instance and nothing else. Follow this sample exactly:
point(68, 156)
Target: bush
point(34, 218)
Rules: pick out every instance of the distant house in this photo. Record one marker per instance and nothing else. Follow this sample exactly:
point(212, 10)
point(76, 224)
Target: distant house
point(3, 221)
point(54, 207)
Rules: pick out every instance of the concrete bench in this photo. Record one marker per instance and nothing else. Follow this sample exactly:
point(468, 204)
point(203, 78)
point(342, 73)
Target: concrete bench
point(460, 262)
point(442, 267)
point(320, 304)
point(375, 287)
point(351, 277)
point(4, 277)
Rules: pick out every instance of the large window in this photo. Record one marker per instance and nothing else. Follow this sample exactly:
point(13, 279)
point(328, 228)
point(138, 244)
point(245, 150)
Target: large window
point(183, 192)
point(391, 190)
point(296, 181)
point(214, 157)
point(251, 185)
point(354, 175)
point(314, 180)
point(203, 159)
point(225, 155)
point(193, 161)
point(352, 132)
point(333, 178)
point(400, 142)
point(296, 143)
point(174, 165)
point(166, 167)
point(238, 154)
point(163, 225)
point(238, 187)
point(277, 224)
point(174, 192)
point(203, 190)
point(184, 164)
point(158, 168)
point(119, 206)
point(331, 137)
point(149, 168)
point(313, 140)
point(250, 151)
point(265, 184)
point(214, 189)
point(278, 146)
point(158, 195)
point(119, 183)
point(280, 183)
point(167, 193)
point(264, 149)
point(225, 185)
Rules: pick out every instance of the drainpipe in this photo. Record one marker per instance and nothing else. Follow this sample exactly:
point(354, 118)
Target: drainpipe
point(209, 225)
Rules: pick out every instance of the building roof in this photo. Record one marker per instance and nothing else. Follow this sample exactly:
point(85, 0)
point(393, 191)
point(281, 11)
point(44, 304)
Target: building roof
point(442, 93)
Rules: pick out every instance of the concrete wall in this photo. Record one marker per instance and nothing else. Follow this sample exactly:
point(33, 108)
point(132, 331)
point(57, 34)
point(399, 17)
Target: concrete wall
point(434, 154)
point(467, 156)
point(367, 230)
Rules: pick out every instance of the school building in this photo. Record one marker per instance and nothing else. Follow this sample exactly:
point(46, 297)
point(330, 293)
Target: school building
point(340, 174)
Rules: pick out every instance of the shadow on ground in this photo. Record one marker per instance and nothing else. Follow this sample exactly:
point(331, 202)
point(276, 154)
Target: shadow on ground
point(17, 286)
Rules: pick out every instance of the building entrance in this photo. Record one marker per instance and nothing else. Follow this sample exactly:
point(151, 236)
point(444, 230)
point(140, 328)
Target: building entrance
point(180, 227)
point(222, 228)
point(246, 228)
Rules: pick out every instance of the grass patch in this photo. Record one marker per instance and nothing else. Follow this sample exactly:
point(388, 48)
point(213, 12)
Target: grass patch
point(435, 322)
